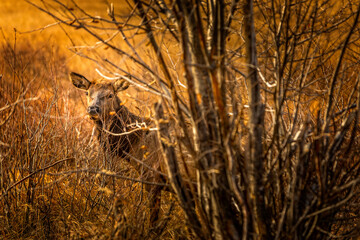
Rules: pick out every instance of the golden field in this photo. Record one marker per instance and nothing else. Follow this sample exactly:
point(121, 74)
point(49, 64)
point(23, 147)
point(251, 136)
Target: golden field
point(57, 183)
point(53, 179)
point(31, 26)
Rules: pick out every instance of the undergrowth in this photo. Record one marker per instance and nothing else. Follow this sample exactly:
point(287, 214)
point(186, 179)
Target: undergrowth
point(55, 182)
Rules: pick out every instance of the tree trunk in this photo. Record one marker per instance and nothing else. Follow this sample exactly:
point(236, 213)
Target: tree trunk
point(254, 163)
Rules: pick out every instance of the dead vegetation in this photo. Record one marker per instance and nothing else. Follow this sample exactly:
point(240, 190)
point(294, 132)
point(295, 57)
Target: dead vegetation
point(269, 117)
point(53, 179)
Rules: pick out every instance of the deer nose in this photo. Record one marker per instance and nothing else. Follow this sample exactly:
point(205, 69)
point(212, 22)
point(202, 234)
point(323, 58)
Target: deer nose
point(93, 110)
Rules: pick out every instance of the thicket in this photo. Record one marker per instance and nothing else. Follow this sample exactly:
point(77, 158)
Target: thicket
point(263, 97)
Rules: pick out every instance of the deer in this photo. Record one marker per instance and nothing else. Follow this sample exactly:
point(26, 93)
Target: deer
point(119, 136)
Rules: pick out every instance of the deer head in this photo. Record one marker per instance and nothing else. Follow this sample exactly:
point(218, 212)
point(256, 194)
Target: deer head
point(102, 96)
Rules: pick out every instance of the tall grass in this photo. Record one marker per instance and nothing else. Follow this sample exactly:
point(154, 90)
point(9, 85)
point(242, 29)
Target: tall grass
point(55, 182)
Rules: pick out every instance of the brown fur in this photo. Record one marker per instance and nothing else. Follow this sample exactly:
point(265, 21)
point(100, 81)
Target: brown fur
point(139, 147)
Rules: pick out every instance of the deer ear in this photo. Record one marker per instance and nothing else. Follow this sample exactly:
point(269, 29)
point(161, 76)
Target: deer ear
point(79, 81)
point(121, 84)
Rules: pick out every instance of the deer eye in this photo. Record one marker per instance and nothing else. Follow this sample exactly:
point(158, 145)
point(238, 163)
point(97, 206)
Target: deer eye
point(86, 93)
point(111, 95)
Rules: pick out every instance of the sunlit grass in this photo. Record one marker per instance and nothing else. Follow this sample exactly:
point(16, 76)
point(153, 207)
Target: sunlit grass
point(21, 20)
point(49, 126)
point(46, 148)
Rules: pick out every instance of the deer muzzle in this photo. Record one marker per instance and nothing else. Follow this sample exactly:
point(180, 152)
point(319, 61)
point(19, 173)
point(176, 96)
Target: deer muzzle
point(93, 111)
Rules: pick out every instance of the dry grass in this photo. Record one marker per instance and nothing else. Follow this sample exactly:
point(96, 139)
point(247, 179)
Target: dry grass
point(54, 180)
point(26, 22)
